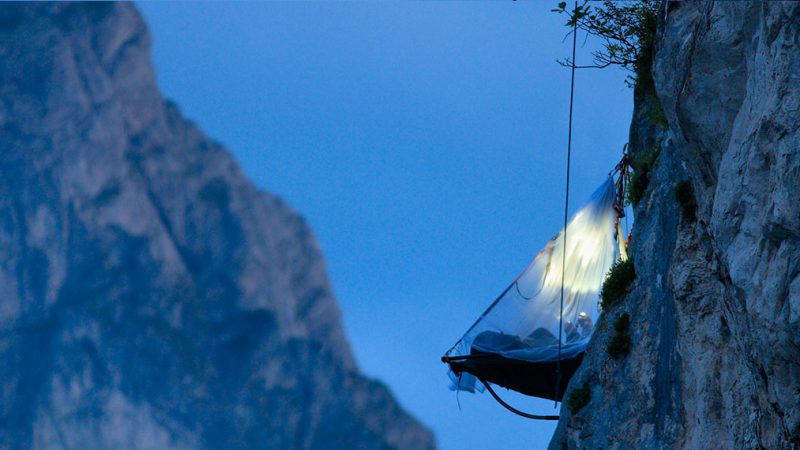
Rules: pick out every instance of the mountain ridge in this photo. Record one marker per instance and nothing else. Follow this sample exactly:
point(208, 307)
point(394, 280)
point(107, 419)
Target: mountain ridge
point(152, 294)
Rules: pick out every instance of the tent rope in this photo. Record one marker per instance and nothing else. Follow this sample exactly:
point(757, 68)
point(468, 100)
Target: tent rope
point(511, 408)
point(488, 310)
point(566, 199)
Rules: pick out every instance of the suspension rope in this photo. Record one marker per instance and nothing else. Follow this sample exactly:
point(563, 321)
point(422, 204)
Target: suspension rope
point(511, 408)
point(566, 199)
point(447, 358)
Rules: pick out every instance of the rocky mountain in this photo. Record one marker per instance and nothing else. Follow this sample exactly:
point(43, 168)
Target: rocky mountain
point(150, 296)
point(715, 308)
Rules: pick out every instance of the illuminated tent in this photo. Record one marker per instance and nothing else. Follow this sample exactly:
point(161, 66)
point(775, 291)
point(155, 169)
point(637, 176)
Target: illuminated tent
point(515, 342)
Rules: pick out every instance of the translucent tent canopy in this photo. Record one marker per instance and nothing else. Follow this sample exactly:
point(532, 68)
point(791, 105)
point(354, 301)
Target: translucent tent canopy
point(523, 323)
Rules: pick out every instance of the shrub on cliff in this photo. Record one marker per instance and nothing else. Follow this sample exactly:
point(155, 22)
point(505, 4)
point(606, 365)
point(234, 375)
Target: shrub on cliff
point(616, 285)
point(620, 343)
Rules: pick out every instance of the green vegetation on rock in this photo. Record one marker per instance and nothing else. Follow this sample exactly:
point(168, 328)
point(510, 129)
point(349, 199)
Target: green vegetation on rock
point(620, 343)
point(626, 30)
point(640, 175)
point(617, 283)
point(622, 323)
point(656, 114)
point(578, 398)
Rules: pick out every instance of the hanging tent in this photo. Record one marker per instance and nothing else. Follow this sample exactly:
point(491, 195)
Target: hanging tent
point(515, 342)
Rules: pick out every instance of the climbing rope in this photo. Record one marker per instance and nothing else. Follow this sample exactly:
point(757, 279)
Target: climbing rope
point(566, 199)
point(622, 167)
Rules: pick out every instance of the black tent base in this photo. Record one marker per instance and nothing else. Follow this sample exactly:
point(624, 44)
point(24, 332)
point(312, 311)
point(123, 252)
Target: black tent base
point(537, 379)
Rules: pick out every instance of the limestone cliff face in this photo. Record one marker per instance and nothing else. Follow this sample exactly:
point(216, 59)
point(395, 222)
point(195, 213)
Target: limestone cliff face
point(715, 309)
point(150, 296)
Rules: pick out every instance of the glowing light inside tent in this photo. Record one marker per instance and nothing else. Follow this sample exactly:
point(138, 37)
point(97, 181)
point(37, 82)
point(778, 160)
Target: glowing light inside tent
point(587, 245)
point(525, 323)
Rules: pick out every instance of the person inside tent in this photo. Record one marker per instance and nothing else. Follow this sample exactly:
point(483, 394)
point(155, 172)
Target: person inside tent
point(582, 328)
point(585, 324)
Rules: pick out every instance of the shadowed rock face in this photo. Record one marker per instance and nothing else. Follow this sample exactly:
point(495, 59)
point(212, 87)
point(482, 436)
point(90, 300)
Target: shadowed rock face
point(151, 296)
point(715, 310)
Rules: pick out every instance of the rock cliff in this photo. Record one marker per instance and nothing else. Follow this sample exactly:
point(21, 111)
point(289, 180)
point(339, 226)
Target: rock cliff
point(150, 296)
point(715, 308)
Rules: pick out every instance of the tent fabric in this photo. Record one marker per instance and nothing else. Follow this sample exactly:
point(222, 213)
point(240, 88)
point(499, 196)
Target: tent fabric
point(523, 323)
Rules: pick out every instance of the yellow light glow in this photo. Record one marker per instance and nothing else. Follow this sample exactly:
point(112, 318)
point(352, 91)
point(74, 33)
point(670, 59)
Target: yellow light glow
point(588, 247)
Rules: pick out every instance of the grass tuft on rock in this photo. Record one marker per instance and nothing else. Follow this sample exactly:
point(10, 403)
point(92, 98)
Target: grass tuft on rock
point(620, 343)
point(578, 398)
point(617, 283)
point(622, 323)
point(684, 194)
point(657, 116)
point(640, 176)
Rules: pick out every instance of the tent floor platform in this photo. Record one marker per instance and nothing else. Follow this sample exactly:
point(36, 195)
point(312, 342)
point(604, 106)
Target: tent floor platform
point(537, 379)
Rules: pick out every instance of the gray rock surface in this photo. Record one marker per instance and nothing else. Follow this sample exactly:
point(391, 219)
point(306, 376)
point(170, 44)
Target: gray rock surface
point(715, 309)
point(150, 296)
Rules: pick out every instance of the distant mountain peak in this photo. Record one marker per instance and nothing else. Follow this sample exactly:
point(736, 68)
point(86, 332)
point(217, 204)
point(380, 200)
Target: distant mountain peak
point(150, 295)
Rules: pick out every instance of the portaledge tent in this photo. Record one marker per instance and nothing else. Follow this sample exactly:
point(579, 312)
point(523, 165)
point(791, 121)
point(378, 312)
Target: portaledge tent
point(515, 342)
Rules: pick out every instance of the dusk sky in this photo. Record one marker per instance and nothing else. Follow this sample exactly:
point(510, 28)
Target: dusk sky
point(426, 145)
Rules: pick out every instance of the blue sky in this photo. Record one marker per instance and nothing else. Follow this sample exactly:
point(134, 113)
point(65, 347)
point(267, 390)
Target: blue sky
point(425, 144)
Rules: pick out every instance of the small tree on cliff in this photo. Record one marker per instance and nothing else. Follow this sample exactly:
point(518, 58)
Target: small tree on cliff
point(625, 28)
